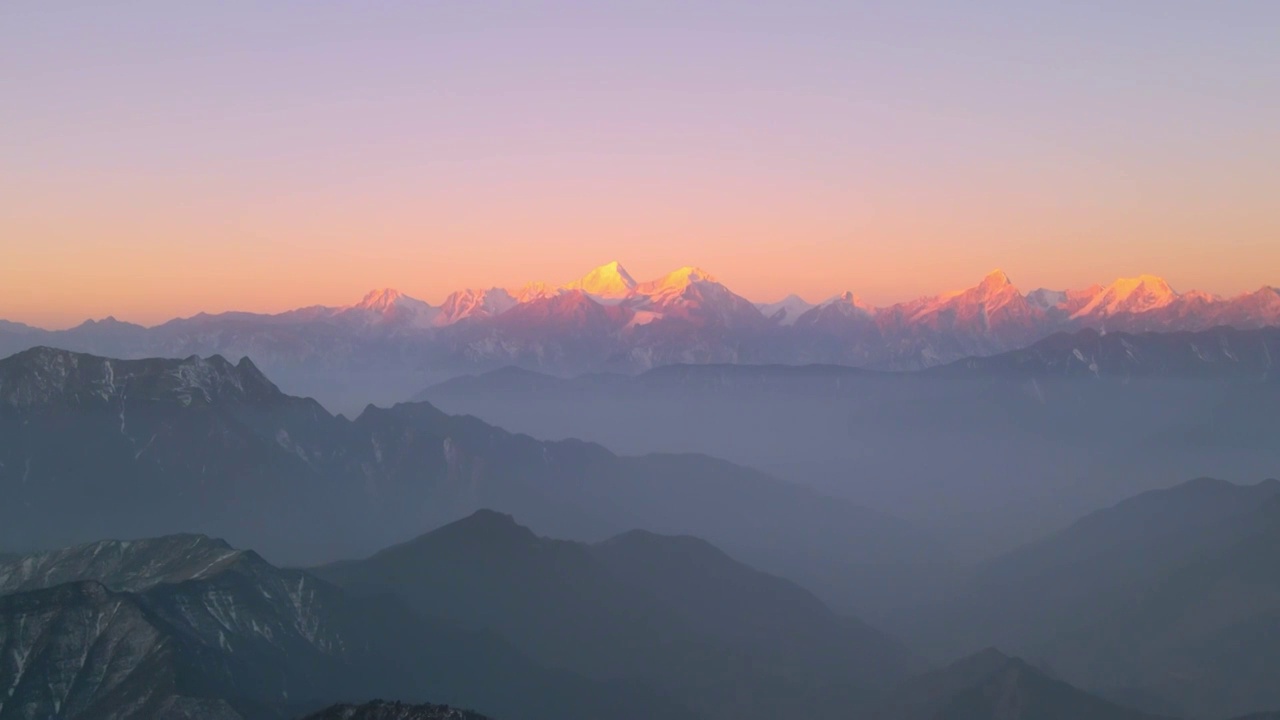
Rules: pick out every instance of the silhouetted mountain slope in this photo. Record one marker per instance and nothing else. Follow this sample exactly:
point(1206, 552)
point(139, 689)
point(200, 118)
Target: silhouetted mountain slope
point(382, 710)
point(1203, 634)
point(198, 445)
point(1067, 579)
point(1020, 692)
point(674, 612)
point(1171, 598)
point(923, 696)
point(242, 638)
point(992, 686)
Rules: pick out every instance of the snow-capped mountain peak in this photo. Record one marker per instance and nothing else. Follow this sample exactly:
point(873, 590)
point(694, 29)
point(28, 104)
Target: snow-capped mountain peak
point(786, 310)
point(474, 303)
point(610, 281)
point(995, 280)
point(384, 300)
point(535, 290)
point(1129, 295)
point(1044, 298)
point(389, 305)
point(676, 281)
point(849, 303)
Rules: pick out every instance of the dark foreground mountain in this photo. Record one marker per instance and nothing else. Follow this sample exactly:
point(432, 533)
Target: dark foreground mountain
point(382, 710)
point(1171, 598)
point(189, 627)
point(991, 450)
point(671, 612)
point(202, 445)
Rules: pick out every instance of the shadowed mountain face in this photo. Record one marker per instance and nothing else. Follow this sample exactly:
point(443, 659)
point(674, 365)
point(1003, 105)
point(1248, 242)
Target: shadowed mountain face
point(674, 612)
point(1170, 599)
point(992, 686)
point(991, 451)
point(206, 446)
point(147, 633)
point(1019, 692)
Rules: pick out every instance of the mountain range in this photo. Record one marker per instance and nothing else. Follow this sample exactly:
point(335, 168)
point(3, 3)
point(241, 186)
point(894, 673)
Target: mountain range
point(204, 445)
point(377, 349)
point(188, 627)
point(1072, 423)
point(674, 613)
point(1168, 600)
point(659, 626)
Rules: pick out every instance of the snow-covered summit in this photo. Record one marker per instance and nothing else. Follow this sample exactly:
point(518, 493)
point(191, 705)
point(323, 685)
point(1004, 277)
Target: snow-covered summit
point(1129, 295)
point(610, 281)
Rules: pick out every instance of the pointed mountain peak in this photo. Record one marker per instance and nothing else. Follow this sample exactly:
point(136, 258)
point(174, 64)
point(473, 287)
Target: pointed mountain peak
point(383, 299)
point(607, 281)
point(848, 298)
point(690, 274)
point(676, 281)
point(1129, 295)
point(996, 279)
point(483, 528)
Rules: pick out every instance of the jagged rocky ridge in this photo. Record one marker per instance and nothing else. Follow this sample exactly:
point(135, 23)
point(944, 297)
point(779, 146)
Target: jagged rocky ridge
point(201, 445)
point(186, 626)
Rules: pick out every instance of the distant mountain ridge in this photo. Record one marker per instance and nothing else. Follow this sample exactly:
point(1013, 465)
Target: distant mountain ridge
point(202, 445)
point(1172, 595)
point(609, 321)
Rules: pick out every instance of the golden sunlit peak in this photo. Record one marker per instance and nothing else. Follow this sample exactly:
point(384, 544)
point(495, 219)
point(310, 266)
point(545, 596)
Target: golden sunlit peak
point(607, 281)
point(676, 281)
point(996, 278)
point(688, 274)
point(1129, 295)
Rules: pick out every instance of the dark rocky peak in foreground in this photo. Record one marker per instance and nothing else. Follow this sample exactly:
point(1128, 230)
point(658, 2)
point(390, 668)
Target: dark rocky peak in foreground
point(121, 565)
point(46, 376)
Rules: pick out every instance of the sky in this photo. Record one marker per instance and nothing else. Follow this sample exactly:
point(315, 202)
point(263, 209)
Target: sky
point(159, 159)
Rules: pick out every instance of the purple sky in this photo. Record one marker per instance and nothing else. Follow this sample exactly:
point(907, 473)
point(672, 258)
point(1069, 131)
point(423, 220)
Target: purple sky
point(160, 158)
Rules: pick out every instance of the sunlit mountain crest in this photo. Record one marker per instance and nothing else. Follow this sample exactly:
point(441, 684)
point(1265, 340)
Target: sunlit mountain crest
point(610, 281)
point(1139, 294)
point(613, 284)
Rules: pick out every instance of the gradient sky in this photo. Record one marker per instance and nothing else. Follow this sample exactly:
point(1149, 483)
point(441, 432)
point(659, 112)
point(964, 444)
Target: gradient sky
point(159, 158)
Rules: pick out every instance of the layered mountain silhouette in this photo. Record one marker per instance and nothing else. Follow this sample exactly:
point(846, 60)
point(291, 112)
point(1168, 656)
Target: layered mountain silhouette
point(990, 685)
point(1170, 598)
point(377, 349)
point(185, 626)
point(202, 445)
point(993, 451)
point(672, 612)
